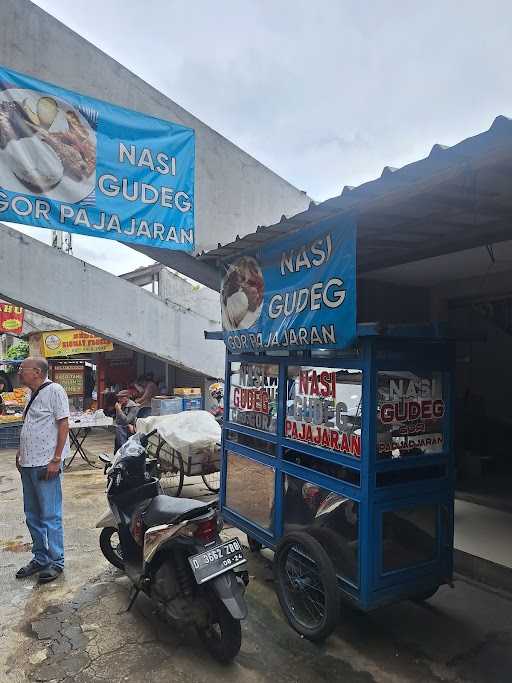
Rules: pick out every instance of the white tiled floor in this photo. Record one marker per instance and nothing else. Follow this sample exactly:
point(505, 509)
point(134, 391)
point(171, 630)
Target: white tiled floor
point(483, 532)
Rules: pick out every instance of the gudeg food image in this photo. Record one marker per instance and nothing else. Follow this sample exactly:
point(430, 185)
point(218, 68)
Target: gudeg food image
point(33, 124)
point(242, 294)
point(237, 306)
point(34, 163)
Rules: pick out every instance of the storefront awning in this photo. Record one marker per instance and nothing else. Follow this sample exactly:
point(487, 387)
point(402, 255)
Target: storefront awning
point(457, 198)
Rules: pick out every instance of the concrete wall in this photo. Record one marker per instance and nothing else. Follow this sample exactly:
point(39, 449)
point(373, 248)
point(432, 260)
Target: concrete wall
point(34, 322)
point(50, 282)
point(234, 192)
point(199, 300)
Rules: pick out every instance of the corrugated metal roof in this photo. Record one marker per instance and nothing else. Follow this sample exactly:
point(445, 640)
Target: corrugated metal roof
point(456, 198)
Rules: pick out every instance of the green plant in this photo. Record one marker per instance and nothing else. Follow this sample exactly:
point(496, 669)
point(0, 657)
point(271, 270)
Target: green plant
point(17, 351)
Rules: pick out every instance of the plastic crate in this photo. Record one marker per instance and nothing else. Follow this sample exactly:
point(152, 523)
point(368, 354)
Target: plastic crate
point(192, 403)
point(166, 406)
point(10, 436)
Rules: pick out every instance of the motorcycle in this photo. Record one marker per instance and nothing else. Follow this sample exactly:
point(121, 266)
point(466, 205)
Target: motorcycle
point(171, 550)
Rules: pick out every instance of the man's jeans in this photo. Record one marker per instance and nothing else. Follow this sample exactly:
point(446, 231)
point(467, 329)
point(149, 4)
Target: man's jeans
point(42, 501)
point(121, 436)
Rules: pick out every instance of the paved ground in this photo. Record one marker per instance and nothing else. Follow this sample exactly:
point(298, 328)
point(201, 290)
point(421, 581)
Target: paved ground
point(76, 629)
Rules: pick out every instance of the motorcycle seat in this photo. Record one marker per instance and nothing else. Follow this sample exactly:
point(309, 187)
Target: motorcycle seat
point(166, 509)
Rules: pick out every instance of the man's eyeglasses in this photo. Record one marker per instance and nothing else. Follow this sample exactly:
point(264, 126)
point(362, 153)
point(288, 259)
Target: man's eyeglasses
point(22, 369)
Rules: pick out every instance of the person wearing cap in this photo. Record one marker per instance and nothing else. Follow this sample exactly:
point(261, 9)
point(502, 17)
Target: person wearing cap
point(126, 412)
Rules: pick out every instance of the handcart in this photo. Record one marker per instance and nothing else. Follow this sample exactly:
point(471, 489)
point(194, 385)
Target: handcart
point(341, 461)
point(172, 466)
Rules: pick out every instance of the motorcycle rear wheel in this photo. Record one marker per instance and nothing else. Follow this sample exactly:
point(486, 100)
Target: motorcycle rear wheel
point(110, 551)
point(223, 637)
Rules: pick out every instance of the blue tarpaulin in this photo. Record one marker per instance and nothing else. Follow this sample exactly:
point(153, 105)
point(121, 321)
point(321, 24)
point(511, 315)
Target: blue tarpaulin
point(74, 163)
point(296, 292)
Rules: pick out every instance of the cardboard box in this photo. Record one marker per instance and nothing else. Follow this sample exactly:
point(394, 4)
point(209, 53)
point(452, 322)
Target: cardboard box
point(187, 391)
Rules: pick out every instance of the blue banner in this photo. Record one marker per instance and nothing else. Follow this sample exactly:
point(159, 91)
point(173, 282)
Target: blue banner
point(295, 293)
point(73, 163)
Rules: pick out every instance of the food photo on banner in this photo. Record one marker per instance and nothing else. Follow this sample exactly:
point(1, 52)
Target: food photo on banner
point(296, 292)
point(73, 163)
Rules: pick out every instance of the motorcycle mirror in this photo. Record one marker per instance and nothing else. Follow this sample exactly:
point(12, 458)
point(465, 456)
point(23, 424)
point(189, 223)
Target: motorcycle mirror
point(145, 437)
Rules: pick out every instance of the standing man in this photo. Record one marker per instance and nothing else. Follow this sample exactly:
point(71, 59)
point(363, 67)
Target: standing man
point(44, 443)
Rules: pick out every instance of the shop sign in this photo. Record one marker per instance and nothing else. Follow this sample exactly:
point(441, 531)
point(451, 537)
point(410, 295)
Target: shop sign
point(11, 318)
point(324, 408)
point(120, 357)
point(253, 396)
point(73, 163)
point(71, 342)
point(298, 292)
point(71, 377)
point(410, 414)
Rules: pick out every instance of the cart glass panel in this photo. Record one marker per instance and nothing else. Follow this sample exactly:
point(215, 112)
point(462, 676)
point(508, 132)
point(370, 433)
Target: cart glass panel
point(253, 395)
point(350, 475)
point(250, 489)
point(411, 414)
point(409, 537)
point(251, 442)
point(324, 408)
point(332, 519)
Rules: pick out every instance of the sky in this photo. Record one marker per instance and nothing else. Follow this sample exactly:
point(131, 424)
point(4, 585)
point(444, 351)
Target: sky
point(324, 93)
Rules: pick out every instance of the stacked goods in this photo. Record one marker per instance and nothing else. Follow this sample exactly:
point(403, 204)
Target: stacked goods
point(14, 402)
point(5, 419)
point(192, 398)
point(18, 397)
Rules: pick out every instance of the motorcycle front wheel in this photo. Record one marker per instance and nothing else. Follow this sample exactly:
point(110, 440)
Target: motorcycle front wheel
point(111, 547)
point(223, 636)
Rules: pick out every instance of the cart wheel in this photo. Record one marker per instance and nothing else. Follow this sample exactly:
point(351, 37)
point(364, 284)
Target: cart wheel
point(171, 482)
point(426, 595)
point(254, 545)
point(306, 586)
point(212, 481)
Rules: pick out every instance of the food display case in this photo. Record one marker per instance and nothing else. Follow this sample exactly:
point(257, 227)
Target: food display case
point(342, 463)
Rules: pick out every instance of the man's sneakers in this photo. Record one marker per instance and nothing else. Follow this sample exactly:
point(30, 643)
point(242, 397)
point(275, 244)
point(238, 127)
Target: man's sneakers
point(46, 574)
point(31, 568)
point(49, 574)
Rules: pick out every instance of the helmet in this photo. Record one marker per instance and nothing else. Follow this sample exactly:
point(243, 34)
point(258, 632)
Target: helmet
point(216, 391)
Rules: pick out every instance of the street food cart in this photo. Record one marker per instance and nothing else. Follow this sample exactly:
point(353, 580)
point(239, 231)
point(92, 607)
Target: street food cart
point(337, 455)
point(353, 450)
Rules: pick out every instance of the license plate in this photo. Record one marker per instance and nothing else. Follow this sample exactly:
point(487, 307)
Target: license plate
point(217, 560)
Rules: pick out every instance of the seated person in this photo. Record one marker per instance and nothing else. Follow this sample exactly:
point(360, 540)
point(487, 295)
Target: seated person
point(126, 412)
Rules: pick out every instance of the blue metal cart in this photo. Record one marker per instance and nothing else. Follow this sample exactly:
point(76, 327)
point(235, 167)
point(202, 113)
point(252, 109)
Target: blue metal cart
point(342, 463)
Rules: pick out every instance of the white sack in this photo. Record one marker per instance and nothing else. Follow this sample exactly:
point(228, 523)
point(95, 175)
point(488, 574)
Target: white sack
point(189, 432)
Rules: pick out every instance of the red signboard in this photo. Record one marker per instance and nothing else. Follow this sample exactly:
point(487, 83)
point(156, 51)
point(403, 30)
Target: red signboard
point(11, 318)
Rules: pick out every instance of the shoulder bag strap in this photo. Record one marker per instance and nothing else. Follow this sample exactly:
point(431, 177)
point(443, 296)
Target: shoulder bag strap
point(34, 396)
